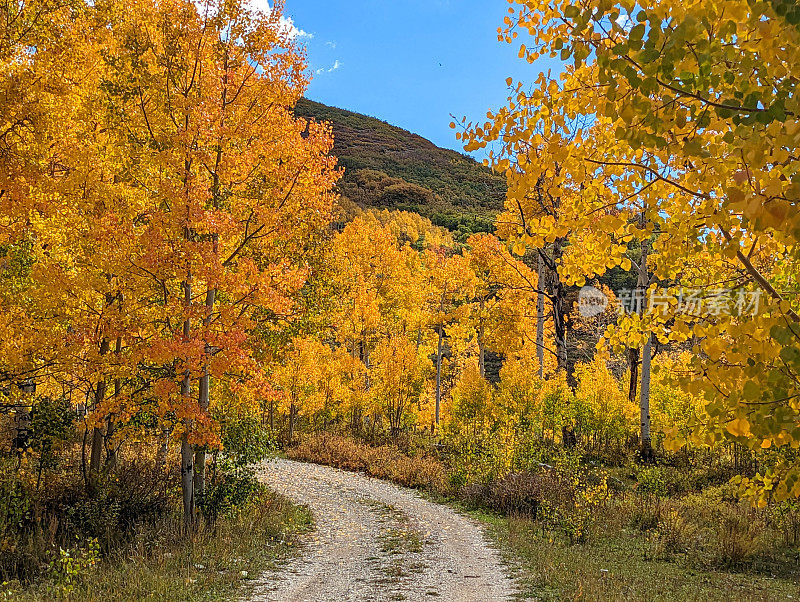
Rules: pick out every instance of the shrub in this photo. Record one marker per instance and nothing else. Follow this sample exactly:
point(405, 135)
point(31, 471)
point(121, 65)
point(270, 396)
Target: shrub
point(35, 521)
point(663, 481)
point(231, 488)
point(245, 440)
point(522, 493)
point(70, 567)
point(385, 462)
point(715, 530)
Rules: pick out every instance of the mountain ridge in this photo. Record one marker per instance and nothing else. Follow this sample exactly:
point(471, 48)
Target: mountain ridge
point(388, 167)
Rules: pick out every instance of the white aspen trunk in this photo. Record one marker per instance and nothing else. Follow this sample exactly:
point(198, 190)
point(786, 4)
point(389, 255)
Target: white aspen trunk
point(98, 435)
point(187, 451)
point(111, 452)
point(187, 482)
point(22, 417)
point(438, 376)
point(644, 400)
point(645, 441)
point(482, 359)
point(163, 448)
point(291, 423)
point(540, 318)
point(633, 381)
point(204, 400)
point(481, 347)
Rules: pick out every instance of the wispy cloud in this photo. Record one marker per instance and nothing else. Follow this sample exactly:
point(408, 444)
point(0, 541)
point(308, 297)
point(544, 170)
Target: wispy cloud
point(285, 23)
point(294, 32)
point(331, 45)
point(332, 68)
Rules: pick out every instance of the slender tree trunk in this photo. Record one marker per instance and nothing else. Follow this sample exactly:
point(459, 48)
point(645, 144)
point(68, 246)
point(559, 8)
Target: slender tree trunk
point(363, 354)
point(644, 394)
point(111, 451)
point(633, 382)
point(291, 423)
point(187, 451)
point(187, 483)
point(367, 383)
point(163, 449)
point(481, 346)
point(200, 455)
point(96, 454)
point(272, 417)
point(204, 400)
point(558, 297)
point(98, 435)
point(558, 294)
point(22, 417)
point(439, 375)
point(542, 283)
point(644, 406)
point(560, 327)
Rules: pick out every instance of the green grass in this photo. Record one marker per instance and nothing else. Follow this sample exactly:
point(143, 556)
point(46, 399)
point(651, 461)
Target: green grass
point(401, 548)
point(215, 566)
point(618, 565)
point(399, 536)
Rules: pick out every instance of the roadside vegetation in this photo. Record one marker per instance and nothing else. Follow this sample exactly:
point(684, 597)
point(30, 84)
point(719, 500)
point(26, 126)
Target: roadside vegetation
point(579, 528)
point(125, 540)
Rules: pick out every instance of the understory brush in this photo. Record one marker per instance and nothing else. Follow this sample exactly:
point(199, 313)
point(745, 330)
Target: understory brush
point(676, 513)
point(385, 461)
point(38, 523)
point(717, 530)
point(157, 563)
point(126, 540)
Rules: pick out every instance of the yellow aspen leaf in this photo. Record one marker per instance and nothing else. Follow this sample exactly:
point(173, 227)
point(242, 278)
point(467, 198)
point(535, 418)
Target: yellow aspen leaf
point(739, 427)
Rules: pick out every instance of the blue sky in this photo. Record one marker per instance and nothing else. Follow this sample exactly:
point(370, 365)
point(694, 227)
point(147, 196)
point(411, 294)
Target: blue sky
point(409, 62)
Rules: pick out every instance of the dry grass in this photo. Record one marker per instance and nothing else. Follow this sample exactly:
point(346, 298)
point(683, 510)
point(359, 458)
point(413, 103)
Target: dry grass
point(617, 565)
point(384, 462)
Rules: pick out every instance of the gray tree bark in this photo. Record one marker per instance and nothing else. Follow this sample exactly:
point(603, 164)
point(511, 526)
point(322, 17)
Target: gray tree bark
point(187, 451)
point(438, 375)
point(645, 440)
point(204, 400)
point(98, 435)
point(111, 451)
point(481, 345)
point(541, 283)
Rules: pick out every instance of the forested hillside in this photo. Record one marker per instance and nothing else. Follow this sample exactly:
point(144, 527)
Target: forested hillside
point(388, 167)
point(594, 346)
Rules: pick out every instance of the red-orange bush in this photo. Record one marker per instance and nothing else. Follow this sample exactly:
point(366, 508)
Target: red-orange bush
point(384, 462)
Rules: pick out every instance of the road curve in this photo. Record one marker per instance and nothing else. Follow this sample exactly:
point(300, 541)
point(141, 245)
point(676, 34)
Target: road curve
point(376, 541)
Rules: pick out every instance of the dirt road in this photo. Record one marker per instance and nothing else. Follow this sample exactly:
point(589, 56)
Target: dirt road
point(375, 541)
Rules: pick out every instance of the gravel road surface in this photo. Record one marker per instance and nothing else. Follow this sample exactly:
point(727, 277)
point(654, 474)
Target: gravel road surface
point(376, 541)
